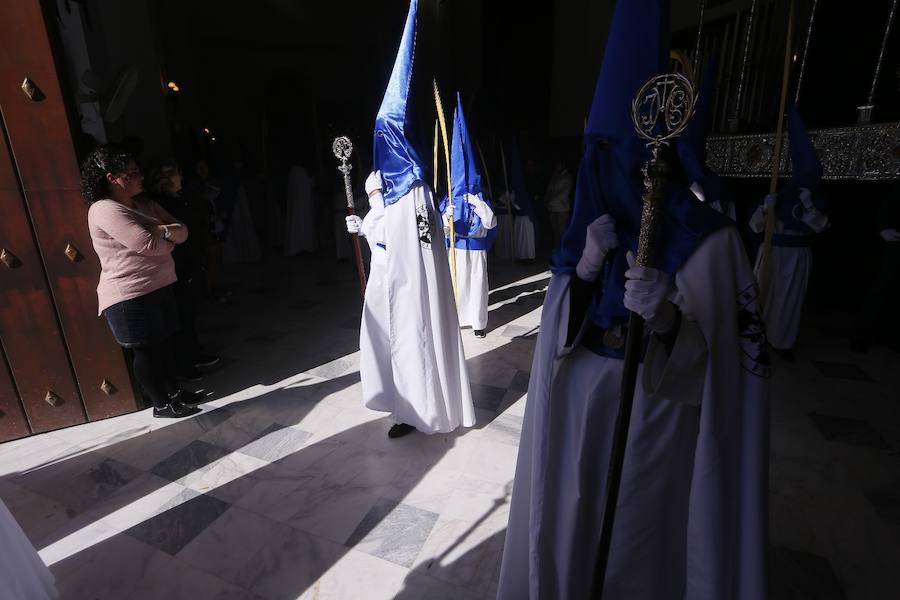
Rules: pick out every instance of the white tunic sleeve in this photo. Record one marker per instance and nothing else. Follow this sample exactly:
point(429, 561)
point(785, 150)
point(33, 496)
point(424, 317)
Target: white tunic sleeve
point(678, 377)
point(758, 220)
point(373, 223)
point(816, 220)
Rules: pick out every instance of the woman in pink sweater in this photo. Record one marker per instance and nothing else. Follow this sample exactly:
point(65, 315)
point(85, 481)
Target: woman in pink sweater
point(134, 238)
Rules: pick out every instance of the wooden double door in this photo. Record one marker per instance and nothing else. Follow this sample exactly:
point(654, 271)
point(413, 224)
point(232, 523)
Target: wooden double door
point(59, 364)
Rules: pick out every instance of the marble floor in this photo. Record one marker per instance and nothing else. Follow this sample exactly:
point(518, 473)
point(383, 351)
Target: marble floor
point(285, 487)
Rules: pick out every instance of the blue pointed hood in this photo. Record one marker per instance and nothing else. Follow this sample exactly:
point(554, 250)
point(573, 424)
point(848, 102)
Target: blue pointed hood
point(394, 152)
point(465, 178)
point(806, 169)
point(464, 175)
point(609, 178)
point(637, 48)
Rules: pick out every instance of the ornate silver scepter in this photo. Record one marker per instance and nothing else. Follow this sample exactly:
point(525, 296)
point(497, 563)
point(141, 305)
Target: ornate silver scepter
point(343, 148)
point(660, 112)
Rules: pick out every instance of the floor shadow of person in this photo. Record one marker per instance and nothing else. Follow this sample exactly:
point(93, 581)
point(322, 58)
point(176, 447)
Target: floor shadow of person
point(242, 497)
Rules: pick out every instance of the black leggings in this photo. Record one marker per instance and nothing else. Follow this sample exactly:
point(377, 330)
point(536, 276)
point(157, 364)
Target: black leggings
point(154, 368)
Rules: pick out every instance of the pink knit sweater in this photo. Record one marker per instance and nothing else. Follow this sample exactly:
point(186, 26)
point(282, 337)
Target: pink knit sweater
point(134, 259)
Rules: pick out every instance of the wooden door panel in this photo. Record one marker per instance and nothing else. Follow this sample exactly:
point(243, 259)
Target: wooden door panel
point(45, 159)
point(29, 328)
point(93, 351)
point(13, 423)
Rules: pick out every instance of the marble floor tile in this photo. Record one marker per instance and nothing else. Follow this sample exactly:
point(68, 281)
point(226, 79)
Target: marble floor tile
point(841, 370)
point(327, 510)
point(848, 431)
point(418, 585)
point(76, 541)
point(520, 381)
point(288, 565)
point(173, 529)
point(487, 397)
point(225, 471)
point(110, 569)
point(796, 574)
point(37, 515)
point(237, 431)
point(494, 461)
point(886, 501)
point(149, 449)
point(22, 456)
point(394, 532)
point(192, 458)
point(517, 331)
point(230, 542)
point(465, 554)
point(358, 575)
point(505, 428)
point(79, 482)
point(276, 442)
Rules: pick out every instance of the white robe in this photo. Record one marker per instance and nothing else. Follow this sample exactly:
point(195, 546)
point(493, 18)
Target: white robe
point(789, 270)
point(23, 575)
point(472, 288)
point(472, 275)
point(300, 225)
point(691, 520)
point(411, 355)
point(241, 244)
point(524, 242)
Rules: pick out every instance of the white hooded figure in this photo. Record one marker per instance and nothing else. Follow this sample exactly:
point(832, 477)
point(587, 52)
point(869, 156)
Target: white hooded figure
point(690, 520)
point(474, 228)
point(800, 214)
point(411, 355)
point(241, 243)
point(300, 220)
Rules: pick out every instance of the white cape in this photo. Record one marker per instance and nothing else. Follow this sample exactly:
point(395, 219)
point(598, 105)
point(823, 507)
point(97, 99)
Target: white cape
point(788, 280)
point(300, 226)
point(23, 575)
point(241, 243)
point(691, 520)
point(789, 269)
point(472, 288)
point(524, 242)
point(411, 355)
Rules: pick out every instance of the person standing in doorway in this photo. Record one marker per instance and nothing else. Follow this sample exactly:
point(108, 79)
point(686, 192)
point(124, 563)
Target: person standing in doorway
point(134, 238)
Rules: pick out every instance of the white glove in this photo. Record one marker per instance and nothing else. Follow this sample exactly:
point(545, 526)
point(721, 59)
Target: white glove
point(698, 191)
point(446, 220)
point(484, 212)
point(646, 293)
point(769, 201)
point(601, 238)
point(373, 182)
point(890, 235)
point(354, 223)
point(806, 198)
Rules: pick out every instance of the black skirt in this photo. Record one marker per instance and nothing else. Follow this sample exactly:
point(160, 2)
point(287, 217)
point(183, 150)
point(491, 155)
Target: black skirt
point(146, 320)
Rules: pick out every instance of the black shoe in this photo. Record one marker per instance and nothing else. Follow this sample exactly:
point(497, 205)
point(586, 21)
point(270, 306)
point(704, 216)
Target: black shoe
point(400, 429)
point(479, 333)
point(205, 360)
point(174, 410)
point(190, 374)
point(191, 398)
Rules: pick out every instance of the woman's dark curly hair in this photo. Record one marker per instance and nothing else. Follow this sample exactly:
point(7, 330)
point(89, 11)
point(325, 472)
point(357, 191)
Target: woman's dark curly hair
point(102, 160)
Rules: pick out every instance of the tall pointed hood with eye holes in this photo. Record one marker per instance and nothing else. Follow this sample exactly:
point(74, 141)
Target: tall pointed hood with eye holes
point(609, 178)
point(395, 153)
